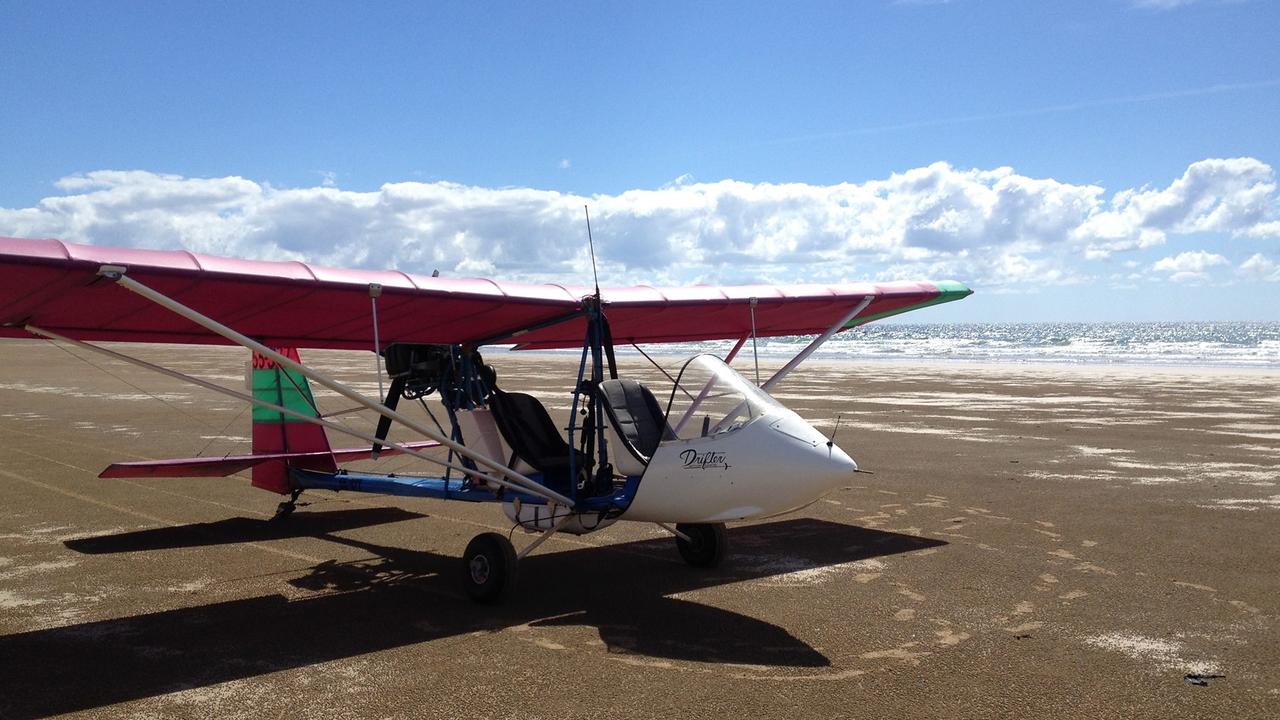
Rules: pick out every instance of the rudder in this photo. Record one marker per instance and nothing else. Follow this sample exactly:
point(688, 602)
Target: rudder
point(275, 432)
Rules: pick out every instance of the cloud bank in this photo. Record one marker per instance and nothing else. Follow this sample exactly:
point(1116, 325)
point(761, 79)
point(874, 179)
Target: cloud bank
point(986, 227)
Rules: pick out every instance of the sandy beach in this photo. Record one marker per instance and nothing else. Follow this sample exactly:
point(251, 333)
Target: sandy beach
point(1058, 542)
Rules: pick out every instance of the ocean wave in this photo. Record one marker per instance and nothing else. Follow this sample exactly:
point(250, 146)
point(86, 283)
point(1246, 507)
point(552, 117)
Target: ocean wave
point(1217, 344)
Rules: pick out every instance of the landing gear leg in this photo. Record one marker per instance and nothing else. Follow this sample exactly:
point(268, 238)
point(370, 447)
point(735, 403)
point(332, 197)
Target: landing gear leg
point(705, 546)
point(285, 509)
point(488, 567)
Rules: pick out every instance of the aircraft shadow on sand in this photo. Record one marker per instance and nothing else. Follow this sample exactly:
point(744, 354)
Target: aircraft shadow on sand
point(240, 529)
point(403, 597)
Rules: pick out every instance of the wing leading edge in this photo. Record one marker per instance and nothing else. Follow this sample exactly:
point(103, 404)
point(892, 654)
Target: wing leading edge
point(55, 285)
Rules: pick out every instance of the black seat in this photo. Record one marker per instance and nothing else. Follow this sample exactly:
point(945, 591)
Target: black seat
point(528, 428)
point(636, 416)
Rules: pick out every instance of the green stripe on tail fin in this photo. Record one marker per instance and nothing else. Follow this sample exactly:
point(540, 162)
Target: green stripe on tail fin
point(276, 432)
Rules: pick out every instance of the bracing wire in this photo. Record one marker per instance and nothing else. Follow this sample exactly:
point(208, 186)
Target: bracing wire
point(223, 432)
point(142, 390)
point(315, 404)
point(662, 370)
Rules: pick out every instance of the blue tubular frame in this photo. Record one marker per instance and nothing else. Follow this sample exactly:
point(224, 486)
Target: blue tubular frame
point(446, 489)
point(404, 485)
point(596, 335)
point(593, 344)
point(573, 424)
point(463, 387)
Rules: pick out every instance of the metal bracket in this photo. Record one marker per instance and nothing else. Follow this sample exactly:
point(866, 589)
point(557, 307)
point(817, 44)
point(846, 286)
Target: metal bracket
point(546, 535)
point(674, 531)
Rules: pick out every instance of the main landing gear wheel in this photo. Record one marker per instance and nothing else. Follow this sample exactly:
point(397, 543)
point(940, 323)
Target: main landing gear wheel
point(488, 567)
point(706, 544)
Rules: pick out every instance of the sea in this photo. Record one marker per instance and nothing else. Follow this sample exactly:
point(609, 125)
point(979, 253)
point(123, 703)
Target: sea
point(1204, 344)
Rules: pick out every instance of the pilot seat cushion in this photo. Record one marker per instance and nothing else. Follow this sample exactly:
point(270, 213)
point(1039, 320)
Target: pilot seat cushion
point(636, 415)
point(528, 428)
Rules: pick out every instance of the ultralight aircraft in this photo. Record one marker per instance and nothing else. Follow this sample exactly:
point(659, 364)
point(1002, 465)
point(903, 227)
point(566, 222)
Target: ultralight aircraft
point(715, 448)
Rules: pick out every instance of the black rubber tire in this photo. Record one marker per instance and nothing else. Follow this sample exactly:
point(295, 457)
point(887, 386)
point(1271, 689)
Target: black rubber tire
point(706, 545)
point(283, 511)
point(488, 567)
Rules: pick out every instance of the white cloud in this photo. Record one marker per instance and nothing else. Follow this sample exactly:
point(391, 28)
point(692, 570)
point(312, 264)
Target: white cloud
point(564, 164)
point(1233, 196)
point(1191, 266)
point(1194, 261)
point(1259, 267)
point(987, 227)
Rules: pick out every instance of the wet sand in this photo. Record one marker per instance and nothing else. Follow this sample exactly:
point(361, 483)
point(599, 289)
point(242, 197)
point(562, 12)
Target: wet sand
point(1034, 542)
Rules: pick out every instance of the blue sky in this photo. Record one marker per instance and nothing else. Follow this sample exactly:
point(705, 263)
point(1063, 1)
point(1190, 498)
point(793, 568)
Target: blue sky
point(717, 142)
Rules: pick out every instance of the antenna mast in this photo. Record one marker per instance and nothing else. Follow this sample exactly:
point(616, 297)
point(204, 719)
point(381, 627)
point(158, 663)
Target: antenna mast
point(591, 244)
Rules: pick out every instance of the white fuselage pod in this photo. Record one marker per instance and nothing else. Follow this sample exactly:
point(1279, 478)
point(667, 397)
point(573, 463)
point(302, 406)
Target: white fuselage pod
point(771, 464)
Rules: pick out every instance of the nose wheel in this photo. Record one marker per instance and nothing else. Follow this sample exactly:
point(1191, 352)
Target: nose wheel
point(488, 567)
point(705, 546)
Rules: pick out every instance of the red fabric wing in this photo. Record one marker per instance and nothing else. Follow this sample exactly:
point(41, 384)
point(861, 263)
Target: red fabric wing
point(52, 284)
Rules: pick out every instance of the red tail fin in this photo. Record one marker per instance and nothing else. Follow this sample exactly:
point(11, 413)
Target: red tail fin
point(275, 432)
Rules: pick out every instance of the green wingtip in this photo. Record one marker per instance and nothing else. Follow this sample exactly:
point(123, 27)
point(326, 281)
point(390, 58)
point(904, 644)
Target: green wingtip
point(948, 290)
point(952, 290)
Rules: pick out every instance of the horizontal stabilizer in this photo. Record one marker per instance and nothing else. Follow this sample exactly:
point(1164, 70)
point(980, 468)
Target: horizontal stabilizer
point(223, 466)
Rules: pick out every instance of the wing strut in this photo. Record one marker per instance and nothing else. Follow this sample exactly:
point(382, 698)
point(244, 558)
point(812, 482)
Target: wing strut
point(375, 291)
point(728, 359)
point(755, 350)
point(817, 343)
point(116, 273)
point(795, 361)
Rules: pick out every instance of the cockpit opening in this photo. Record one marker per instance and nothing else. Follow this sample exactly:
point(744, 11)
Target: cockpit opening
point(710, 398)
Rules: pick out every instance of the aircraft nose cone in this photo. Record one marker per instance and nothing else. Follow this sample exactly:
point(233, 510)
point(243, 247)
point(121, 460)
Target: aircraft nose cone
point(815, 466)
point(839, 467)
point(840, 461)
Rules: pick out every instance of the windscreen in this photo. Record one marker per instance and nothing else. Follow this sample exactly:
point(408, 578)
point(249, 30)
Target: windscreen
point(710, 397)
